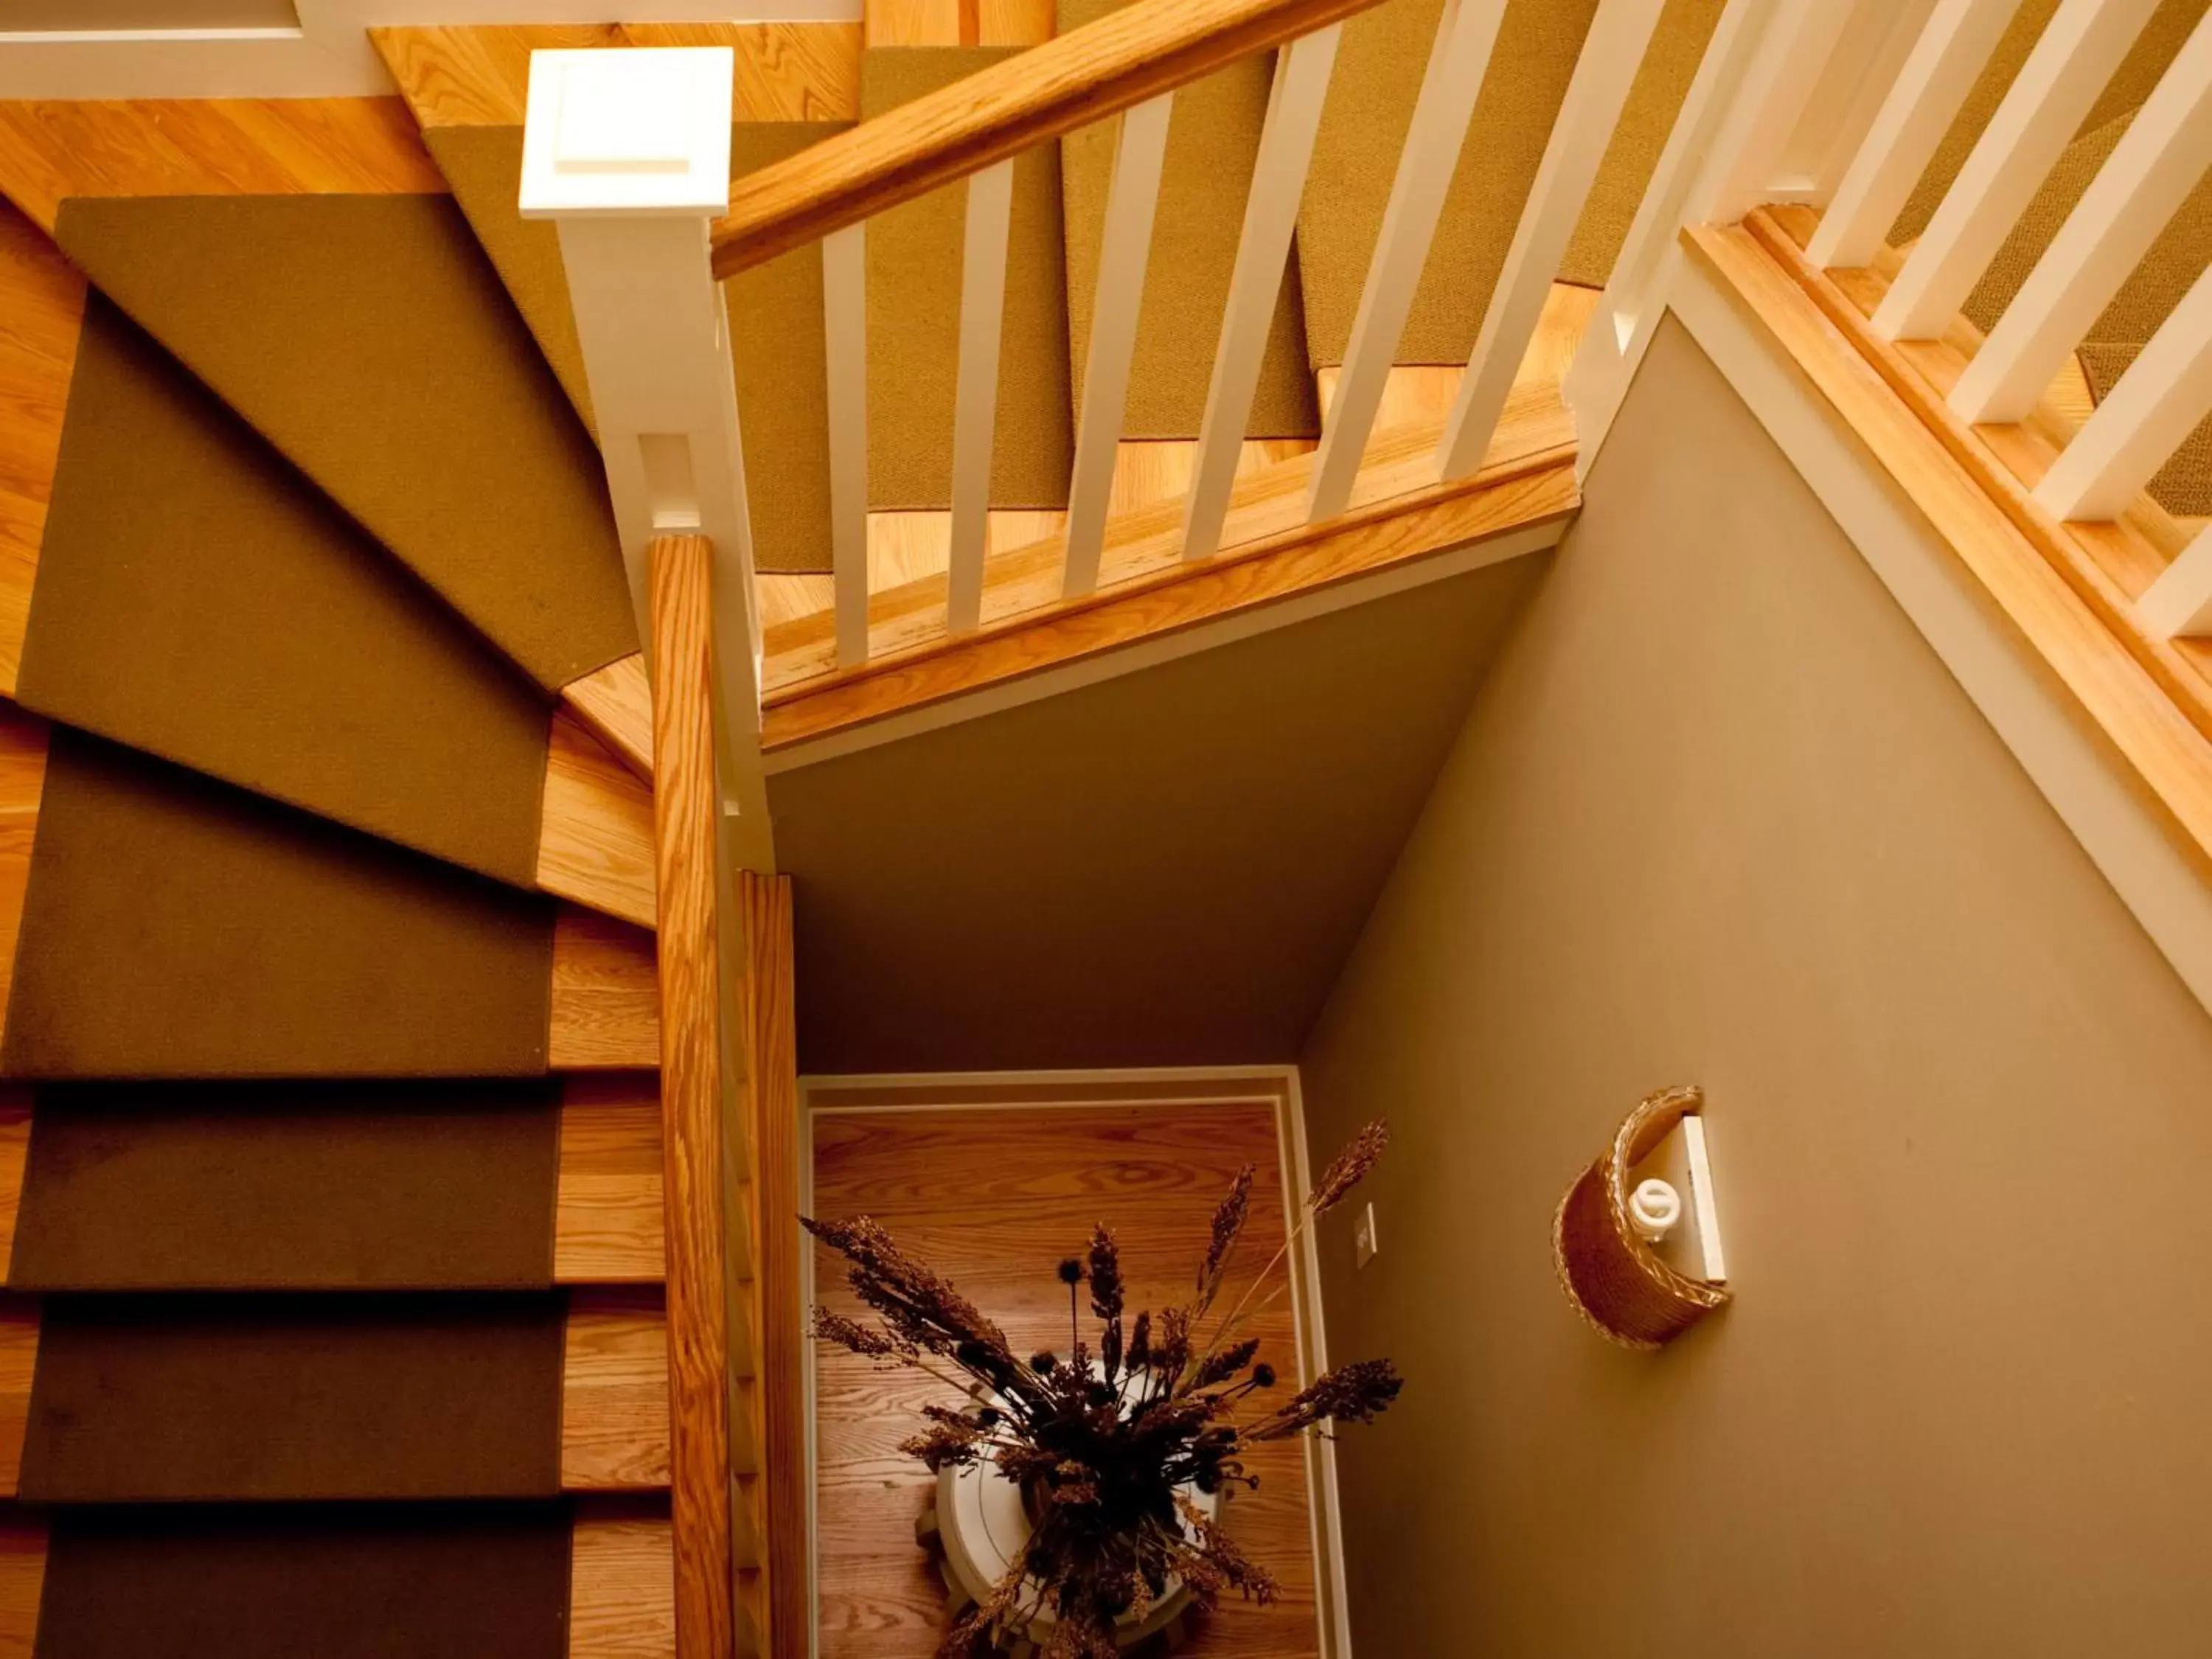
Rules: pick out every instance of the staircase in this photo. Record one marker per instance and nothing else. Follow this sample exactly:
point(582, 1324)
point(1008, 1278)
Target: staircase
point(346, 1286)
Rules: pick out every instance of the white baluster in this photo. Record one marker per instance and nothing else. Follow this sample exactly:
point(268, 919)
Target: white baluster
point(1125, 252)
point(2158, 403)
point(1263, 252)
point(1922, 103)
point(1449, 88)
point(2073, 59)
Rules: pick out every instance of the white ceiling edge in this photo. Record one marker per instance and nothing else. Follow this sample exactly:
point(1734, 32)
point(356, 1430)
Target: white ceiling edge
point(329, 55)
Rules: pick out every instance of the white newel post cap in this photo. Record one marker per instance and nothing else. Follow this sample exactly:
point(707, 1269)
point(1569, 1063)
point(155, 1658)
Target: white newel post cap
point(628, 132)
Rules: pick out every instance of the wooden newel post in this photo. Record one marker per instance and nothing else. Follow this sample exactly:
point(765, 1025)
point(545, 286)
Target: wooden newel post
point(686, 806)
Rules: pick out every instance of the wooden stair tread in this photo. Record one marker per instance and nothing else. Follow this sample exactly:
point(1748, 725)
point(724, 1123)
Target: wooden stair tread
point(614, 1391)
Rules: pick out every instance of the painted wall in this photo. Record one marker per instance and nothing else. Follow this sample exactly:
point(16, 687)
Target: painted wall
point(1167, 868)
point(1720, 816)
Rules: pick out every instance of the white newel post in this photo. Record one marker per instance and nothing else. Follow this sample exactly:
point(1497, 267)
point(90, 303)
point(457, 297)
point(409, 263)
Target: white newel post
point(627, 152)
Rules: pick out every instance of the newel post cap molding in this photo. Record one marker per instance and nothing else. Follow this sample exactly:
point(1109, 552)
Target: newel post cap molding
point(628, 132)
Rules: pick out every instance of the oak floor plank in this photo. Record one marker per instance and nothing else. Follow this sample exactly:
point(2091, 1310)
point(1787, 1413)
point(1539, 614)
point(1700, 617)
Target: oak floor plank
point(994, 1198)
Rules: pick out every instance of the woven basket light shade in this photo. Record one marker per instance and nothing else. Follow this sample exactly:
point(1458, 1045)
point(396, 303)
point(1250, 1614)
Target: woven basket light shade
point(1613, 1278)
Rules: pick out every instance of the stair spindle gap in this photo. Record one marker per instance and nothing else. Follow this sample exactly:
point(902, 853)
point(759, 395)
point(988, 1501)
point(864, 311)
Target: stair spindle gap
point(1263, 252)
point(1126, 248)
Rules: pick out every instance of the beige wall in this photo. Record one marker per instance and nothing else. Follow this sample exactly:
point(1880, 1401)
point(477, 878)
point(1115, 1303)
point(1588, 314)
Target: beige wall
point(1719, 816)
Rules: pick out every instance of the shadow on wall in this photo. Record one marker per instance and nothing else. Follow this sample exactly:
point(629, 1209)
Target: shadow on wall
point(1166, 868)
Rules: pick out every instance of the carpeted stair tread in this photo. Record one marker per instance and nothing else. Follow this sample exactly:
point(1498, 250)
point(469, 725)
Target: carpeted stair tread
point(292, 1185)
point(186, 1398)
point(176, 926)
point(215, 609)
point(775, 327)
point(1369, 108)
point(1647, 121)
point(428, 1581)
point(913, 254)
point(1213, 141)
point(370, 340)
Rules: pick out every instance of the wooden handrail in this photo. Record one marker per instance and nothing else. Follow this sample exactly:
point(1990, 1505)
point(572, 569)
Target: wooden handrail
point(686, 807)
point(1084, 76)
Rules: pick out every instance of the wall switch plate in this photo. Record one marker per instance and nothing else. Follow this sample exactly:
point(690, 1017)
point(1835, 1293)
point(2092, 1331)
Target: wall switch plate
point(1364, 1242)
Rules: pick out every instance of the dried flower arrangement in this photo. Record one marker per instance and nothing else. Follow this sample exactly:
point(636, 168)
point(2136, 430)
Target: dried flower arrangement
point(1103, 1441)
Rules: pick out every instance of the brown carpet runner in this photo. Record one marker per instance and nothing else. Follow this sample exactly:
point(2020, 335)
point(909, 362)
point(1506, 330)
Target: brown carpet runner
point(217, 609)
point(1214, 140)
point(174, 927)
point(1364, 126)
point(292, 1185)
point(775, 327)
point(368, 339)
point(913, 317)
point(473, 1581)
point(164, 1399)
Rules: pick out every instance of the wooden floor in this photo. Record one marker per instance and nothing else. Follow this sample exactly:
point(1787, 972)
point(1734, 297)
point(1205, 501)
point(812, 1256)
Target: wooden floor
point(995, 1199)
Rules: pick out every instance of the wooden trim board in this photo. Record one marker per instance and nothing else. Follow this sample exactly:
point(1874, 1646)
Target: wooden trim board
point(765, 1004)
point(1398, 514)
point(2108, 564)
point(616, 702)
point(477, 75)
point(2144, 723)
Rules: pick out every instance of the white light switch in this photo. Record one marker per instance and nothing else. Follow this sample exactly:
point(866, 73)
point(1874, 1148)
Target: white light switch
point(1363, 1238)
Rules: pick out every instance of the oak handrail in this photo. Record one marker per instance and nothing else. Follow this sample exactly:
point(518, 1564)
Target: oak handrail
point(1084, 76)
point(686, 806)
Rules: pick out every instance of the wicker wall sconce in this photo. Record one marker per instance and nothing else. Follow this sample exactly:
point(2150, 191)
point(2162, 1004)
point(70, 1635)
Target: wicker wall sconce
point(1641, 1269)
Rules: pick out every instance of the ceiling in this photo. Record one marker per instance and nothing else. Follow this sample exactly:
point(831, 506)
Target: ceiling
point(1165, 868)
